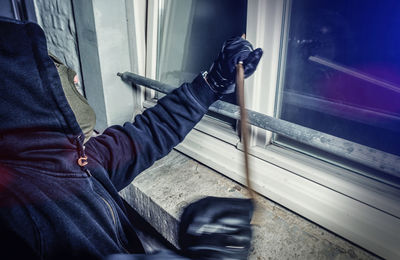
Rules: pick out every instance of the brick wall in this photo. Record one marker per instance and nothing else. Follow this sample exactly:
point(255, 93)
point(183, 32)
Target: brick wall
point(57, 20)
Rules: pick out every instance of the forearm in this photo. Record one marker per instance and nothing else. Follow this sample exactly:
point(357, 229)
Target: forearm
point(126, 151)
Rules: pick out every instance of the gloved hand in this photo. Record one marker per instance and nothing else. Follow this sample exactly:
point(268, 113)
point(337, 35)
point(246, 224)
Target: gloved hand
point(216, 228)
point(222, 75)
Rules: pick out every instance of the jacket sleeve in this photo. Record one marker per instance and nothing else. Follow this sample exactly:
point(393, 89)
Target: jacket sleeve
point(125, 151)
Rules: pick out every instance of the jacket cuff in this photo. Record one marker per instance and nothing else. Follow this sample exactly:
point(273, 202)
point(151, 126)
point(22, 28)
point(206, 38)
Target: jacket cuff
point(202, 92)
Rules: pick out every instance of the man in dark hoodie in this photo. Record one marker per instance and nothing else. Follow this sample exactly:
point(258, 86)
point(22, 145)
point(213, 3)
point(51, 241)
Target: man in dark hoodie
point(59, 197)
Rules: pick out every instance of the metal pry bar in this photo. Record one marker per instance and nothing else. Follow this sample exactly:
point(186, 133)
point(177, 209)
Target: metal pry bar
point(243, 124)
point(365, 155)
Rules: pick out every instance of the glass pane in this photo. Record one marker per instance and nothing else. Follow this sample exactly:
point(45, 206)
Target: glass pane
point(191, 35)
point(342, 70)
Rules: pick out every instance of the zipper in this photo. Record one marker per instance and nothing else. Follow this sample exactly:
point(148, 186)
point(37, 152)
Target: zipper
point(89, 174)
point(82, 162)
point(115, 222)
point(111, 210)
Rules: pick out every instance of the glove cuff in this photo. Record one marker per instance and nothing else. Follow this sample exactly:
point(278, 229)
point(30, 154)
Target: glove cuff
point(202, 92)
point(219, 84)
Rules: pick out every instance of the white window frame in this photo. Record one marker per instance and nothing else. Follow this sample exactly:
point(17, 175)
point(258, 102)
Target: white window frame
point(357, 208)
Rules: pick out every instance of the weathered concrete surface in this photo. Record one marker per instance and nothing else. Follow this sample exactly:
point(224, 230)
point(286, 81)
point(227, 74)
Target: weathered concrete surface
point(56, 19)
point(173, 182)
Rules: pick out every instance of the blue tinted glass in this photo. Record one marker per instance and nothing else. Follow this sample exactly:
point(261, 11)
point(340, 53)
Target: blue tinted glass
point(342, 71)
point(191, 36)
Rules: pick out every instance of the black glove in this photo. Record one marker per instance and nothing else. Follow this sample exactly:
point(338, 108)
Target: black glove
point(222, 72)
point(216, 228)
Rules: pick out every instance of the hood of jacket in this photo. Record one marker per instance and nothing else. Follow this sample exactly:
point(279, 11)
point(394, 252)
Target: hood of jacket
point(37, 125)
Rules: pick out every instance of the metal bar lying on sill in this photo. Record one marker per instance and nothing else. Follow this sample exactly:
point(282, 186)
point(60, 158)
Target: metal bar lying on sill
point(362, 154)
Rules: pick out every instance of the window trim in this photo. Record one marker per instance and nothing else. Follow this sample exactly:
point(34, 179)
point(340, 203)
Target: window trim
point(265, 29)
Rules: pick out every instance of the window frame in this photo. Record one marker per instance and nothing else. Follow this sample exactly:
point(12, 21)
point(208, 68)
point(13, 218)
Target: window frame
point(355, 207)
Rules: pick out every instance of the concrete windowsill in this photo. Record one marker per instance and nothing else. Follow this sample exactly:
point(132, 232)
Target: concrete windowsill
point(160, 193)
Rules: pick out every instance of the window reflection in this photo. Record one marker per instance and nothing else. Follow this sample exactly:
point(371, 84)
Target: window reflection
point(342, 72)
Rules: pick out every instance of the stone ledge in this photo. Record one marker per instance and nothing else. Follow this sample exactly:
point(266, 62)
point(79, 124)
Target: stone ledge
point(159, 194)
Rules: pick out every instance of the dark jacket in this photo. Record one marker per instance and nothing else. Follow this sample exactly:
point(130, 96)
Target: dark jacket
point(50, 206)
